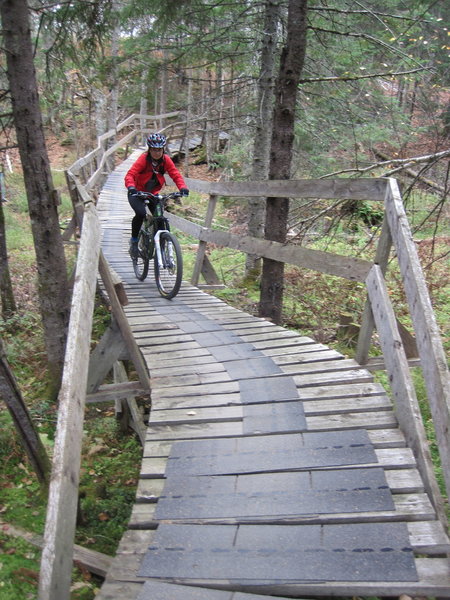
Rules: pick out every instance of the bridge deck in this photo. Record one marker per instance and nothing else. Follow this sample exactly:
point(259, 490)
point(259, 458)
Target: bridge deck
point(272, 464)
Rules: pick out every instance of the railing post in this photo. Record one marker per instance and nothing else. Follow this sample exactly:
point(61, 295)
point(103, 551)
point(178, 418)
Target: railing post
point(202, 245)
point(367, 320)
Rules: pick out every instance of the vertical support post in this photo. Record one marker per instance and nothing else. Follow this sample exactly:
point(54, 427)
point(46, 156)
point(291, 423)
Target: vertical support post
point(367, 320)
point(202, 245)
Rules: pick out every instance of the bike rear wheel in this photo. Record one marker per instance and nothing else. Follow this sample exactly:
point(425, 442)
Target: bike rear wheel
point(141, 262)
point(168, 277)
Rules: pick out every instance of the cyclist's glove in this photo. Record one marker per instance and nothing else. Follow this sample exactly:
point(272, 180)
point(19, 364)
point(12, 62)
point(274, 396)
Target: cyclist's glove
point(132, 191)
point(184, 192)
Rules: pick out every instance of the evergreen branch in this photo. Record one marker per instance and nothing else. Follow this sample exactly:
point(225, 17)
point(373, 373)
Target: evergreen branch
point(381, 15)
point(372, 39)
point(357, 77)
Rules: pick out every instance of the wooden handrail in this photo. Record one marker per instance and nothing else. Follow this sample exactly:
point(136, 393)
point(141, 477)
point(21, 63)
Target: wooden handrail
point(57, 552)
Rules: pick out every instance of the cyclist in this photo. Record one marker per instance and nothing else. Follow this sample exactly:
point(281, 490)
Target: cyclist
point(147, 175)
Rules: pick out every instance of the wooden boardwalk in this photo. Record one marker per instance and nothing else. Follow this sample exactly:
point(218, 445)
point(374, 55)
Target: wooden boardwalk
point(272, 465)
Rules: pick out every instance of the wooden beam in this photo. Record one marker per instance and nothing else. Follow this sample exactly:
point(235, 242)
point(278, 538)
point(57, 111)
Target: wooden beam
point(108, 350)
point(354, 269)
point(95, 562)
point(404, 396)
point(345, 189)
point(202, 245)
point(120, 376)
point(429, 343)
point(112, 391)
point(122, 322)
point(367, 321)
point(56, 561)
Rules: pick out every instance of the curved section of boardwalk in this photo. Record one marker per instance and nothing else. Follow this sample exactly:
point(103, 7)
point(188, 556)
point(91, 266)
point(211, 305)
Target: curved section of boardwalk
point(272, 464)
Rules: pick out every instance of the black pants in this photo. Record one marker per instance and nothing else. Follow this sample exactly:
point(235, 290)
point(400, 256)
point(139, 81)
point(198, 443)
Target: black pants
point(139, 213)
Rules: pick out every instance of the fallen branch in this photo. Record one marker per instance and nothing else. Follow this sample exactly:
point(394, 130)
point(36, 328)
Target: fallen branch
point(95, 562)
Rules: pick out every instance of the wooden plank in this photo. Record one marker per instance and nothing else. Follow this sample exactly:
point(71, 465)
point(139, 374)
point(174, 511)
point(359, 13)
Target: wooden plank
point(347, 189)
point(191, 380)
point(350, 390)
point(201, 368)
point(408, 508)
point(333, 378)
point(217, 388)
point(369, 420)
point(329, 366)
point(388, 458)
point(170, 412)
point(434, 580)
point(290, 553)
point(125, 590)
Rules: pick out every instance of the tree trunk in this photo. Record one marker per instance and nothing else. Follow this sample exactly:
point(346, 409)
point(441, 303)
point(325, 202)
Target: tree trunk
point(29, 437)
point(143, 106)
point(164, 89)
point(114, 82)
point(263, 130)
point(6, 289)
point(53, 289)
point(277, 209)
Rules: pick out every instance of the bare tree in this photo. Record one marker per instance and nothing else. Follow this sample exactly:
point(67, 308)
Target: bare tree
point(53, 289)
point(277, 209)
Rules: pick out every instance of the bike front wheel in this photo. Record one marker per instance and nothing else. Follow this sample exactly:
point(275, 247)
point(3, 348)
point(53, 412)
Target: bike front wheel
point(141, 261)
point(168, 276)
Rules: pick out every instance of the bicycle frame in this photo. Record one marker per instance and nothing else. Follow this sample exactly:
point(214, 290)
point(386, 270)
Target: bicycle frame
point(162, 246)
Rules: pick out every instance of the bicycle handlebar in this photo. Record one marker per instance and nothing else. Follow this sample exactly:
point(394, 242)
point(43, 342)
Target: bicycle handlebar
point(149, 195)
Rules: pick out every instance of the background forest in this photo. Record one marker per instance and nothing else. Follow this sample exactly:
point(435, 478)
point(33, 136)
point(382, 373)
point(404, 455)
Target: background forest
point(373, 99)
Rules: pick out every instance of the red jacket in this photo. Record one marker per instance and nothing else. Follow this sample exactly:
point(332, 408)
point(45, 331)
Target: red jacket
point(142, 171)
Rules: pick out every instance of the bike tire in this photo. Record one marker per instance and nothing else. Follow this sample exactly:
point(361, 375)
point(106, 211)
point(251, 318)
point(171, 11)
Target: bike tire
point(141, 262)
point(168, 279)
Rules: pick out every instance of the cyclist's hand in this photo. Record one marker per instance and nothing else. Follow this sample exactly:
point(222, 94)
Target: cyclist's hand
point(184, 192)
point(132, 191)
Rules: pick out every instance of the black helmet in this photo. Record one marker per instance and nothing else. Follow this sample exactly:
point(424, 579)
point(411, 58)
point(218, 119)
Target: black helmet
point(156, 140)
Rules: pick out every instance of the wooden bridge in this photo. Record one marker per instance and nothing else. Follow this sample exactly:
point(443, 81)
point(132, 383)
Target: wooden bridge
point(272, 465)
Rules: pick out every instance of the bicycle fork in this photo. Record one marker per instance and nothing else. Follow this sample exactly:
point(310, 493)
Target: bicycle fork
point(159, 253)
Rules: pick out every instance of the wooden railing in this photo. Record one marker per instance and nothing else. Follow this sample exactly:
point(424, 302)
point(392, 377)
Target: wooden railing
point(84, 178)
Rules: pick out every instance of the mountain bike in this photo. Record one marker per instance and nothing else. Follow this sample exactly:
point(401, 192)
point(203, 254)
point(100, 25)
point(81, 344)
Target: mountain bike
point(156, 242)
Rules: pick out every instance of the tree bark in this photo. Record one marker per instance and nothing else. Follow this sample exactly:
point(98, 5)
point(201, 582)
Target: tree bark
point(277, 209)
point(53, 289)
point(6, 289)
point(263, 130)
